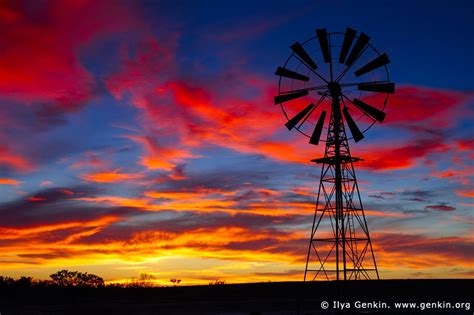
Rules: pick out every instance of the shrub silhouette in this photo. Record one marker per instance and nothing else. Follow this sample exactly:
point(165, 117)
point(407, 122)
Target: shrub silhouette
point(175, 281)
point(145, 280)
point(68, 278)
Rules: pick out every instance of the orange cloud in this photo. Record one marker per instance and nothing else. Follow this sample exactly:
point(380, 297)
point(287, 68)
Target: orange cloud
point(197, 204)
point(110, 177)
point(196, 193)
point(14, 233)
point(159, 156)
point(465, 193)
point(9, 181)
point(453, 173)
point(376, 213)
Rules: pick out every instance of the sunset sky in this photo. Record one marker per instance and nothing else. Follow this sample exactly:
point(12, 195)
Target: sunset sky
point(141, 136)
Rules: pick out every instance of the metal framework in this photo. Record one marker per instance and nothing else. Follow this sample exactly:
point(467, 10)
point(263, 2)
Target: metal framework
point(345, 253)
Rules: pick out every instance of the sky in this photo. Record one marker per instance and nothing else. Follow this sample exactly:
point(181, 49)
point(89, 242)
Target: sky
point(142, 137)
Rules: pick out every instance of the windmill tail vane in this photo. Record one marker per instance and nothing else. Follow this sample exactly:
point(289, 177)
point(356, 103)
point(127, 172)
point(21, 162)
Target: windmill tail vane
point(330, 82)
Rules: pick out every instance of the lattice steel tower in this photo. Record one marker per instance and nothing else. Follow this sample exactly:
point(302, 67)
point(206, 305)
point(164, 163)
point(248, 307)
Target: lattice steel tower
point(340, 247)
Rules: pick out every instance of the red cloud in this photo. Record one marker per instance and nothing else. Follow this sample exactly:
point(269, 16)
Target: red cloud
point(191, 114)
point(398, 157)
point(14, 161)
point(41, 45)
point(440, 208)
point(234, 110)
point(466, 144)
point(431, 107)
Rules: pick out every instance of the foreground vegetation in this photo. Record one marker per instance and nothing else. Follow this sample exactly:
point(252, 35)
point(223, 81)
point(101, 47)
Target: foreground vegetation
point(66, 278)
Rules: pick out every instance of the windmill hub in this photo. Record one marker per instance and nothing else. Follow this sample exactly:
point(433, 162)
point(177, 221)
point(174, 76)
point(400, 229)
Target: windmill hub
point(334, 89)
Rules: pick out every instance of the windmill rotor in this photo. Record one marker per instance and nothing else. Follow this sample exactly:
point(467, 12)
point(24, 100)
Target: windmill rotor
point(344, 65)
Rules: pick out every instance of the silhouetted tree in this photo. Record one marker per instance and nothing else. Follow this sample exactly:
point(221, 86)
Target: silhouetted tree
point(175, 281)
point(7, 281)
point(24, 282)
point(145, 280)
point(68, 278)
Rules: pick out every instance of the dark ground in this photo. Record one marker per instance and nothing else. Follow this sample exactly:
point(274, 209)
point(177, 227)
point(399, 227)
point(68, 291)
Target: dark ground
point(259, 298)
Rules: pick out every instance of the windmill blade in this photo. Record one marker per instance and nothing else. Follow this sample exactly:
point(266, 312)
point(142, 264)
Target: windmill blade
point(295, 120)
point(369, 110)
point(318, 129)
point(346, 44)
point(299, 50)
point(352, 126)
point(377, 87)
point(378, 62)
point(290, 74)
point(323, 42)
point(360, 44)
point(289, 96)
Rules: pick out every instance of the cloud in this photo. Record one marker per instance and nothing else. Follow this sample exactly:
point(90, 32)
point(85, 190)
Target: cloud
point(465, 144)
point(440, 207)
point(14, 161)
point(465, 193)
point(183, 113)
point(46, 183)
point(53, 77)
point(110, 177)
point(61, 227)
point(9, 181)
point(426, 113)
point(422, 252)
point(89, 160)
point(456, 175)
point(43, 76)
point(52, 206)
point(402, 156)
point(418, 194)
point(160, 156)
point(415, 106)
point(57, 225)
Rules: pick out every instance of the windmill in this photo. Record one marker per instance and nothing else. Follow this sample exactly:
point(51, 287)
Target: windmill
point(330, 82)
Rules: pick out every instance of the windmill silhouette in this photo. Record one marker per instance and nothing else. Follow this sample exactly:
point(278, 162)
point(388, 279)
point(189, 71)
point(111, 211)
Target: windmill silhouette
point(343, 74)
